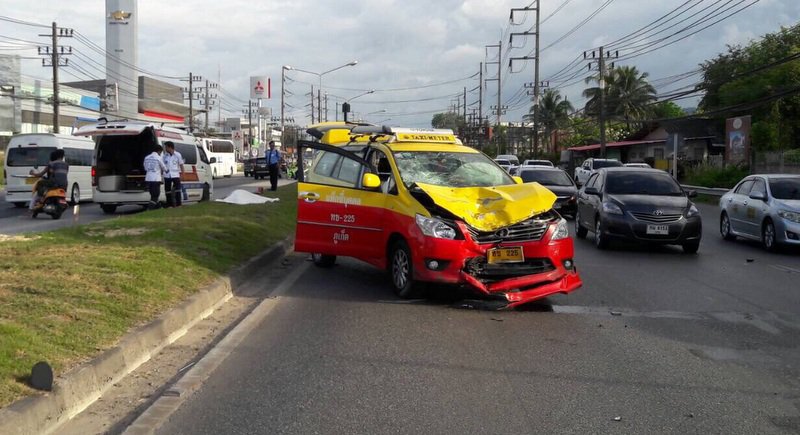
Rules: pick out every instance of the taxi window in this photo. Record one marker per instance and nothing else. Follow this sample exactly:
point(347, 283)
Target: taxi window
point(335, 169)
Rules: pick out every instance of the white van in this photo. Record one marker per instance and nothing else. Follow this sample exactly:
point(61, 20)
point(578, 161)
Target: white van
point(223, 151)
point(32, 151)
point(118, 172)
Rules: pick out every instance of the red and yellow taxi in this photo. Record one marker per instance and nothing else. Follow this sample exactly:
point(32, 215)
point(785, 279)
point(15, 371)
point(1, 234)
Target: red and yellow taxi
point(429, 210)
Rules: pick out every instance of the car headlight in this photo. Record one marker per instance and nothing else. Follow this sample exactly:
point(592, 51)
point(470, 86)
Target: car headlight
point(611, 208)
point(562, 230)
point(789, 215)
point(692, 211)
point(435, 228)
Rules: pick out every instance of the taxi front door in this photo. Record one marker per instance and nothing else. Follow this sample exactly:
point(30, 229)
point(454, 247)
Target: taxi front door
point(336, 214)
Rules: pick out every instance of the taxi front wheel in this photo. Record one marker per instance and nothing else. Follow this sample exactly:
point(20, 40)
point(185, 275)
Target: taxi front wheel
point(402, 271)
point(322, 260)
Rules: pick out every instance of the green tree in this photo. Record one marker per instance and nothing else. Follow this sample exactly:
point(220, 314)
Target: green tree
point(449, 120)
point(746, 79)
point(667, 110)
point(628, 95)
point(553, 113)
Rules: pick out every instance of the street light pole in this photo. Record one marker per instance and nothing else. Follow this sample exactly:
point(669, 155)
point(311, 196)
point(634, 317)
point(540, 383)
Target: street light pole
point(319, 89)
point(283, 96)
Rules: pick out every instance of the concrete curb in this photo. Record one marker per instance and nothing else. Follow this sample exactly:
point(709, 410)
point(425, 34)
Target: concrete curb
point(80, 387)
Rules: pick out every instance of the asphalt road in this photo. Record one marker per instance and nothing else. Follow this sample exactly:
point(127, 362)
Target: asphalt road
point(16, 220)
point(655, 342)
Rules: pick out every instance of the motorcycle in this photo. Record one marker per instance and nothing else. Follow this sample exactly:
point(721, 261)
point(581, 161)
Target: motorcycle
point(54, 203)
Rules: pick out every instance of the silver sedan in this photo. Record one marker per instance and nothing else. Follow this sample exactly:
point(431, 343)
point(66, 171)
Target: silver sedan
point(765, 208)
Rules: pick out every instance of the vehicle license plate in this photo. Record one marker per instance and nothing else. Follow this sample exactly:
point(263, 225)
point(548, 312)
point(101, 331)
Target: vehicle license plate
point(661, 230)
point(31, 180)
point(505, 255)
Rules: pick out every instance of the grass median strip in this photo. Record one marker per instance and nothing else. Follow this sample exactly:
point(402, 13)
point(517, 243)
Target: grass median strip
point(67, 295)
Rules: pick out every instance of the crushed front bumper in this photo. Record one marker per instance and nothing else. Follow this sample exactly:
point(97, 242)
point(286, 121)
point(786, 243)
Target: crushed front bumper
point(548, 267)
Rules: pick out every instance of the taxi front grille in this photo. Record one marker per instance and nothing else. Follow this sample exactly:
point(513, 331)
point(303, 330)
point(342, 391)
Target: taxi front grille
point(657, 219)
point(529, 230)
point(479, 268)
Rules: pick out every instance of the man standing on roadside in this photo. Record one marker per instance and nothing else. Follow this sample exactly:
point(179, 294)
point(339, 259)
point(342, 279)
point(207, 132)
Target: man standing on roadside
point(154, 167)
point(273, 158)
point(173, 160)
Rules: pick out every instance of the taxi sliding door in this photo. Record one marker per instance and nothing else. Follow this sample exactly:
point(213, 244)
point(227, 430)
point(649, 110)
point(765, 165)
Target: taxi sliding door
point(336, 215)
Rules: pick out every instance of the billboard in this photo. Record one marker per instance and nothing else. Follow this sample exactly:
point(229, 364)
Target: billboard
point(737, 139)
point(260, 87)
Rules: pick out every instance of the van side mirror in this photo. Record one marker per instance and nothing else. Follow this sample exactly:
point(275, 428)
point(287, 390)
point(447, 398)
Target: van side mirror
point(213, 160)
point(370, 181)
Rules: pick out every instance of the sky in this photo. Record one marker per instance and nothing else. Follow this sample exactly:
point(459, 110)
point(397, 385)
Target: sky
point(417, 55)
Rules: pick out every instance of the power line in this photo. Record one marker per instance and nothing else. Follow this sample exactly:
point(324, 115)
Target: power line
point(561, 6)
point(578, 26)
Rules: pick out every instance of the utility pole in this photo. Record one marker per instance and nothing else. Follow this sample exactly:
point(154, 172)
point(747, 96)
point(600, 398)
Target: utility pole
point(499, 47)
point(480, 92)
point(535, 58)
point(601, 66)
point(207, 100)
point(465, 103)
point(190, 90)
point(319, 105)
point(312, 104)
point(326, 107)
point(55, 52)
point(249, 112)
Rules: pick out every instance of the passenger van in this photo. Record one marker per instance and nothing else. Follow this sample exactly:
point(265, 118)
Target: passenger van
point(120, 148)
point(223, 151)
point(31, 151)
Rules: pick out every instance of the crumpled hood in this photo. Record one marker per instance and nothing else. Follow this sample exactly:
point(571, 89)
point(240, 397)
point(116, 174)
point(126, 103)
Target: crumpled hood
point(491, 208)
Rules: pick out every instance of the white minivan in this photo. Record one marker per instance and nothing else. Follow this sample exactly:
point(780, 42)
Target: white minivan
point(120, 148)
point(32, 151)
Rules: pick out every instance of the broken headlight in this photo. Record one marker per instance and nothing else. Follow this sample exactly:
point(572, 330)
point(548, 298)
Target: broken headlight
point(435, 228)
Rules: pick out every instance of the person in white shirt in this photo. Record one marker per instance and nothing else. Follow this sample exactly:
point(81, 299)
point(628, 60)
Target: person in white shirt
point(154, 167)
point(174, 162)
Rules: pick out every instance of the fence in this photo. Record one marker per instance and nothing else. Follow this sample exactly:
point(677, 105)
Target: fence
point(777, 162)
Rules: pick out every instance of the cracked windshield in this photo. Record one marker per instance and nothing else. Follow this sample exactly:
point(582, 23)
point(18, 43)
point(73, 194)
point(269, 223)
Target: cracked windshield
point(450, 169)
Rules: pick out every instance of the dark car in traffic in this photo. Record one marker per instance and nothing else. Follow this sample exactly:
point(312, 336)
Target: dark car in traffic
point(260, 168)
point(638, 204)
point(248, 167)
point(558, 182)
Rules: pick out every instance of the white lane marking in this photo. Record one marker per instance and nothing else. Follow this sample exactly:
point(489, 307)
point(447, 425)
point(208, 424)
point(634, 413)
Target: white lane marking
point(159, 412)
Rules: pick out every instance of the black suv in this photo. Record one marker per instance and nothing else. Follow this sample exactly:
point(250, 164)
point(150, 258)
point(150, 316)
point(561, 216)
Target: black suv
point(260, 168)
point(248, 167)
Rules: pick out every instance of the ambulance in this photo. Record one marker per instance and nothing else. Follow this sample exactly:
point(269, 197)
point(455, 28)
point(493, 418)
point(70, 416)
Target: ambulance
point(427, 209)
point(118, 175)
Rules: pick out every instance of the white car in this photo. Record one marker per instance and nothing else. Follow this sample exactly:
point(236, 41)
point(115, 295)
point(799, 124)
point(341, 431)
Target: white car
point(546, 163)
point(590, 165)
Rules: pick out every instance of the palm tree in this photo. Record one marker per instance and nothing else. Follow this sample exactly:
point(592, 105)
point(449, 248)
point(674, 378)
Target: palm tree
point(553, 112)
point(628, 95)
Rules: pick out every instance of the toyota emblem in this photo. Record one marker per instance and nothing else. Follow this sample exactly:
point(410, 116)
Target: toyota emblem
point(658, 212)
point(501, 233)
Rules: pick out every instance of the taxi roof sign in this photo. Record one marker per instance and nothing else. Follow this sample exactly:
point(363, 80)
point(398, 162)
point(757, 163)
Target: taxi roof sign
point(428, 135)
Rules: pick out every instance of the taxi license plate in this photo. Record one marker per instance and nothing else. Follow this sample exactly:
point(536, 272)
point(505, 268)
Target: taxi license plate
point(659, 230)
point(505, 255)
point(30, 180)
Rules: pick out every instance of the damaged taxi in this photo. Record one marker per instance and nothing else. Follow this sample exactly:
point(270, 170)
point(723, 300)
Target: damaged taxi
point(424, 207)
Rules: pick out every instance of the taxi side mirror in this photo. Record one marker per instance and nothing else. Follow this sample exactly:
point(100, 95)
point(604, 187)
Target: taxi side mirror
point(370, 181)
point(518, 180)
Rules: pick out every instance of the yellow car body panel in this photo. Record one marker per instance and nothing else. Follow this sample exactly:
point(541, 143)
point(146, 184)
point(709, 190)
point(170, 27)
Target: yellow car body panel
point(491, 208)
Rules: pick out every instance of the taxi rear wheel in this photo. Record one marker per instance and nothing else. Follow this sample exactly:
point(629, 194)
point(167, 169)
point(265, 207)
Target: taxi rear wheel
point(402, 270)
point(322, 260)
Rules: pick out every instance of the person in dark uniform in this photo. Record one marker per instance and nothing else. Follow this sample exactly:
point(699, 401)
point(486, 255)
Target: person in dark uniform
point(273, 158)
